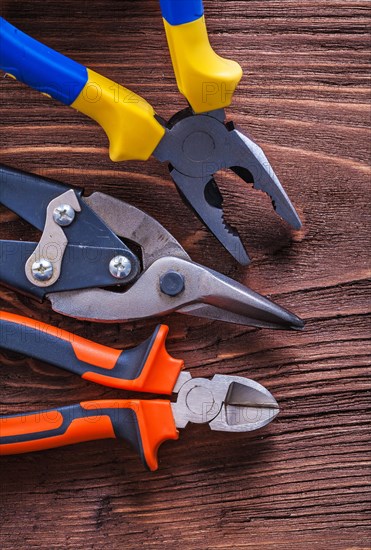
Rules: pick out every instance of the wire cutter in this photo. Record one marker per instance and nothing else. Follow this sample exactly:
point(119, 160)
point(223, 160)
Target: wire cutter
point(101, 259)
point(226, 403)
point(196, 143)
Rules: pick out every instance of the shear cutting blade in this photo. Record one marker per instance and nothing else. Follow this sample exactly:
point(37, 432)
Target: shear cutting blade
point(227, 300)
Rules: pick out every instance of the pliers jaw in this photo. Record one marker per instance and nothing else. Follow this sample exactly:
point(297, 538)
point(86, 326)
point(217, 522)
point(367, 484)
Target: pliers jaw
point(197, 147)
point(226, 403)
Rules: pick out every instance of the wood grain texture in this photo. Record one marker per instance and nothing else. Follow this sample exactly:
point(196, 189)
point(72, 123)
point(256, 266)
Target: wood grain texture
point(303, 482)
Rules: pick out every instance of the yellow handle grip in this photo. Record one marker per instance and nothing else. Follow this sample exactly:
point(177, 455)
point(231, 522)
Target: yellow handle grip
point(207, 80)
point(128, 120)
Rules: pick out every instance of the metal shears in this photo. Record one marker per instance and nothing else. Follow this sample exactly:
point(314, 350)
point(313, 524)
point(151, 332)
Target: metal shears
point(101, 259)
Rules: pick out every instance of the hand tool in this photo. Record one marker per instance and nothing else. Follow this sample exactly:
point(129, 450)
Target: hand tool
point(196, 142)
point(94, 248)
point(226, 403)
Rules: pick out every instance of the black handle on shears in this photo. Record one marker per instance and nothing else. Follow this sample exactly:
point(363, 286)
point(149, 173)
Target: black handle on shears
point(91, 244)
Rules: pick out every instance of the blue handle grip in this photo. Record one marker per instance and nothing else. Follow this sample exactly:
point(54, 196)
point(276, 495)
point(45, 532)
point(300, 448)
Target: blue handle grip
point(178, 12)
point(39, 66)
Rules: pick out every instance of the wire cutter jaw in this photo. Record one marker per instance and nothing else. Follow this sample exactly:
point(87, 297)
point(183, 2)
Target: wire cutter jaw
point(226, 403)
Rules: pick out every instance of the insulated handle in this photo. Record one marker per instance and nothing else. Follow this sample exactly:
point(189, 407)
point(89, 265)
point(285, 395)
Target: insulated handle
point(28, 195)
point(207, 80)
point(128, 120)
point(143, 424)
point(146, 368)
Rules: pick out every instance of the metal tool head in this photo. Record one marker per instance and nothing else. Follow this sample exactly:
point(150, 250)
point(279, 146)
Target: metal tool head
point(169, 282)
point(197, 146)
point(226, 403)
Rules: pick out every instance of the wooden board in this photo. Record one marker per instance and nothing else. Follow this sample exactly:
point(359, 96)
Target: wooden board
point(305, 97)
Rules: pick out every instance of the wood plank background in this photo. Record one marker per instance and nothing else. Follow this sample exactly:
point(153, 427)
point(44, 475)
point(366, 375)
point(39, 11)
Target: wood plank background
point(303, 481)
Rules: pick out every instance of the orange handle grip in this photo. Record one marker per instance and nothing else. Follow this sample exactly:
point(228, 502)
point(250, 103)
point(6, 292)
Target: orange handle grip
point(144, 424)
point(147, 368)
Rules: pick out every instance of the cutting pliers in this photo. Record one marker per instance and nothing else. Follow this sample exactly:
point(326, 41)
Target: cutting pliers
point(102, 259)
point(196, 142)
point(226, 403)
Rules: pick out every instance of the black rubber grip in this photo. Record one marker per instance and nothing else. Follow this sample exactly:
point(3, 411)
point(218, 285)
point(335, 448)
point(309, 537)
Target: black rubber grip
point(40, 344)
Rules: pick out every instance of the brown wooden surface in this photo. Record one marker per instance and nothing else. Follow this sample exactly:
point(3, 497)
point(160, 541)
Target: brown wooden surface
point(302, 481)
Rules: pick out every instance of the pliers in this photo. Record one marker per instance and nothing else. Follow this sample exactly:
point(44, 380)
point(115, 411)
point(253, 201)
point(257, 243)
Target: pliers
point(101, 259)
point(196, 143)
point(226, 403)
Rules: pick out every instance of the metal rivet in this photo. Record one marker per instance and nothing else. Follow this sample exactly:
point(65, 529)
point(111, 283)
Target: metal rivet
point(120, 267)
point(42, 270)
point(172, 283)
point(63, 215)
